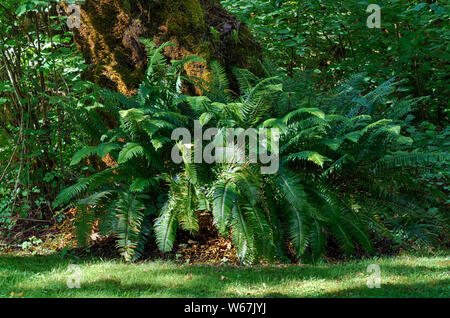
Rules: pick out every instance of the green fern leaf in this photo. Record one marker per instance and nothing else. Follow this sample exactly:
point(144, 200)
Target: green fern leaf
point(130, 151)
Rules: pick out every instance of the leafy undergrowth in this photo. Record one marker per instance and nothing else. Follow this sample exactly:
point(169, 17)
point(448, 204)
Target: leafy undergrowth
point(205, 248)
point(214, 251)
point(42, 240)
point(47, 276)
point(60, 238)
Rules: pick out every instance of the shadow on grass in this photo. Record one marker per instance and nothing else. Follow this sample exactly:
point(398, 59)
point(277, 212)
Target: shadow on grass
point(436, 289)
point(169, 280)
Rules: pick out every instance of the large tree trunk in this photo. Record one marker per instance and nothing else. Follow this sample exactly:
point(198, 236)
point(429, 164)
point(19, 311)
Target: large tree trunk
point(110, 31)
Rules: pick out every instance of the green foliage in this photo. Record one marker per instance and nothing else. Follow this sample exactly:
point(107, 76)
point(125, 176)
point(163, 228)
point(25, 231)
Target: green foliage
point(40, 89)
point(358, 160)
point(325, 159)
point(140, 149)
point(331, 40)
point(347, 170)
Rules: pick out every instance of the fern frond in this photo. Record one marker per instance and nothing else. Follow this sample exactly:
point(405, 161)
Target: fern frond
point(129, 211)
point(224, 196)
point(165, 227)
point(311, 156)
point(83, 153)
point(219, 86)
point(294, 195)
point(317, 241)
point(130, 151)
point(242, 235)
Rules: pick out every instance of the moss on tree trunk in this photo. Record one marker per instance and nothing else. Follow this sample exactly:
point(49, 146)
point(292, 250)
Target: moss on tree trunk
point(110, 31)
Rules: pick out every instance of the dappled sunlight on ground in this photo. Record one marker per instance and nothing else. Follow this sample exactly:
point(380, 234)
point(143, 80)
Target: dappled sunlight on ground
point(48, 276)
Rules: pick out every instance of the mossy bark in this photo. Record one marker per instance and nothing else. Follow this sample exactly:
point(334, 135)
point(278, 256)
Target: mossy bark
point(110, 32)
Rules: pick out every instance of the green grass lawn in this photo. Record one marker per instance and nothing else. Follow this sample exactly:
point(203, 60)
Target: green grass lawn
point(47, 276)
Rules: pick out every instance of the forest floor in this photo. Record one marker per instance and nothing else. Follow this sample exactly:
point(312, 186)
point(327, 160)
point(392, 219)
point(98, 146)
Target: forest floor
point(51, 276)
